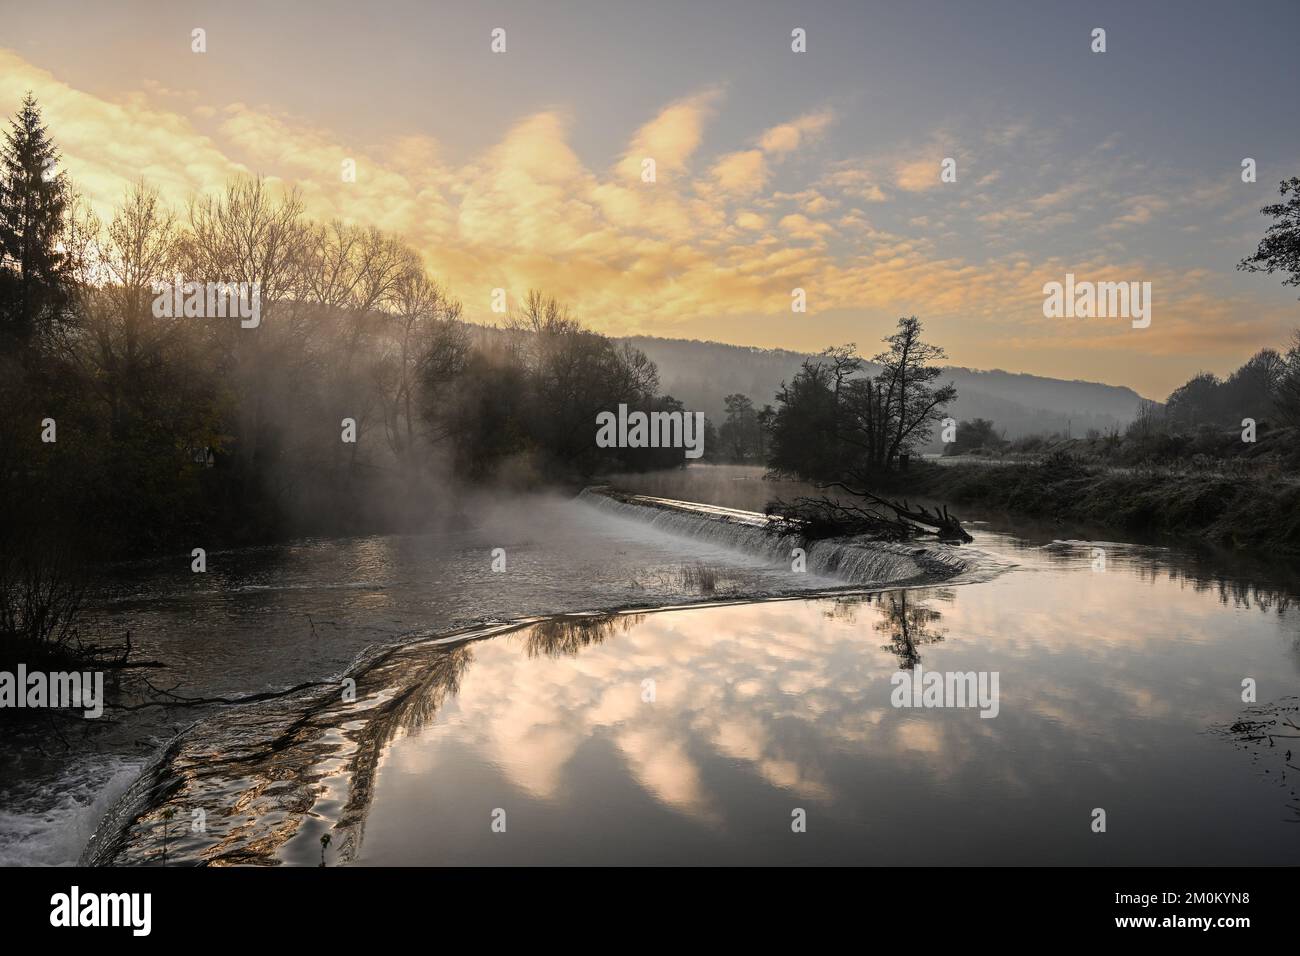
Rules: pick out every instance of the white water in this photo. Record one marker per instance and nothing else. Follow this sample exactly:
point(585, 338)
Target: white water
point(49, 825)
point(855, 561)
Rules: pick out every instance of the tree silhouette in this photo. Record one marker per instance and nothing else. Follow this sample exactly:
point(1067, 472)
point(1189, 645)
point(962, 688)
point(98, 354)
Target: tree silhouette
point(1279, 250)
point(33, 203)
point(907, 622)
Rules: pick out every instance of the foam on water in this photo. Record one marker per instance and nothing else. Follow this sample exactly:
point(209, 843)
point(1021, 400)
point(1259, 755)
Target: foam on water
point(50, 825)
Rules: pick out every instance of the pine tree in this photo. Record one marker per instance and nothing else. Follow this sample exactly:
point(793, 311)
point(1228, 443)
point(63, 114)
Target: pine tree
point(33, 203)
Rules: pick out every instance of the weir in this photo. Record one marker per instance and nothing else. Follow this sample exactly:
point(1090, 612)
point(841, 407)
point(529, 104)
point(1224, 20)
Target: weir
point(854, 560)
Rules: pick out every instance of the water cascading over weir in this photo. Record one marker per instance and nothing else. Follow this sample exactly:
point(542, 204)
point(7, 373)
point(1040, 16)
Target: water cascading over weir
point(856, 561)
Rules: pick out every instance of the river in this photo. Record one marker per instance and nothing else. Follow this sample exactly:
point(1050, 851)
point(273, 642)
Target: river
point(708, 734)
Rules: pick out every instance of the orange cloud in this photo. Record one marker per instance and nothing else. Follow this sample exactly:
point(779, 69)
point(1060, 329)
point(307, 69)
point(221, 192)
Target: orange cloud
point(710, 240)
point(672, 137)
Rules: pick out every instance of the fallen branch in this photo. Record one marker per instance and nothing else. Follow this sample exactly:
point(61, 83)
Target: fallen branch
point(945, 525)
point(827, 517)
point(175, 700)
point(815, 518)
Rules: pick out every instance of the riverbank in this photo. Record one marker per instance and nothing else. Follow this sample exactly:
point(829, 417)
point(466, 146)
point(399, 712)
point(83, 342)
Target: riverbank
point(1241, 513)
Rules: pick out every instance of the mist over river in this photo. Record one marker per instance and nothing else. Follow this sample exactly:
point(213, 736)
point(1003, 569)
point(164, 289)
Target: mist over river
point(1118, 686)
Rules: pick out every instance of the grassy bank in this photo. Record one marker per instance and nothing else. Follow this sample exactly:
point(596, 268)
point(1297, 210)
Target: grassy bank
point(1255, 512)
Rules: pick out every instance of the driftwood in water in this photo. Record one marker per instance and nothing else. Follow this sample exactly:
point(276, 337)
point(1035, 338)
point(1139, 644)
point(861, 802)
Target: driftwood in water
point(815, 518)
point(827, 517)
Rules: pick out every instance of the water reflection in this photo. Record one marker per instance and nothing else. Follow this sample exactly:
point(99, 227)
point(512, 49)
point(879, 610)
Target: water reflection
point(689, 736)
point(566, 636)
point(1238, 580)
point(907, 617)
point(908, 622)
point(759, 709)
point(265, 618)
point(434, 684)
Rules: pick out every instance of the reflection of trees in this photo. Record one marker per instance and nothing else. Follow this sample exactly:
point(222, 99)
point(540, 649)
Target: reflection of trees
point(904, 615)
point(439, 677)
point(436, 675)
point(845, 608)
point(1242, 580)
point(908, 622)
point(401, 690)
point(566, 636)
point(440, 680)
point(1268, 584)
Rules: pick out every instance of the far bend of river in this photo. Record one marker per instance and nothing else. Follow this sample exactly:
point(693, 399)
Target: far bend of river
point(1118, 677)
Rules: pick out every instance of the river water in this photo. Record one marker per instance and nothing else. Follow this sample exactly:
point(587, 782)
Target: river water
point(262, 619)
point(701, 735)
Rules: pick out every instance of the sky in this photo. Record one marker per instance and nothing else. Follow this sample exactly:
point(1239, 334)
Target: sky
point(775, 170)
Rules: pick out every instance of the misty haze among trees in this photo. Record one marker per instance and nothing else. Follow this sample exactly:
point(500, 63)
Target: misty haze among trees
point(703, 374)
point(166, 429)
point(122, 433)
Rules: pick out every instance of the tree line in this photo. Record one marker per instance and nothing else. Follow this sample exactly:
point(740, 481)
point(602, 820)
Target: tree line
point(128, 434)
point(832, 422)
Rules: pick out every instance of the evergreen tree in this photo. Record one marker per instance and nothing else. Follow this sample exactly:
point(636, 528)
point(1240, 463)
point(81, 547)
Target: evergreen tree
point(33, 203)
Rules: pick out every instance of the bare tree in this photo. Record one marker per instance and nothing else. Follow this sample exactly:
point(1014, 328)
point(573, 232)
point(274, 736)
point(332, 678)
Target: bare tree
point(426, 346)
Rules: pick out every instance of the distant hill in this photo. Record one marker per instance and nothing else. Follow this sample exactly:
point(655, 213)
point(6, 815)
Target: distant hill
point(701, 373)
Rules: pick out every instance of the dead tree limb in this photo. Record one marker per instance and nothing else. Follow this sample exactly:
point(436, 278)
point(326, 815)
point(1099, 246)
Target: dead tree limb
point(945, 525)
point(815, 518)
point(175, 700)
